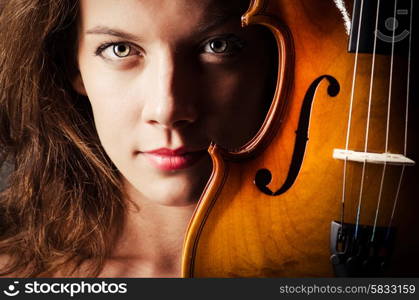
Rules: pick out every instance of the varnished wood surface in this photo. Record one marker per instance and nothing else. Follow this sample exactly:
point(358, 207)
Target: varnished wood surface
point(237, 231)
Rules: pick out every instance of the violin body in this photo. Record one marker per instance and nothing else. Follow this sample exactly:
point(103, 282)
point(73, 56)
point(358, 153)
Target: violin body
point(268, 209)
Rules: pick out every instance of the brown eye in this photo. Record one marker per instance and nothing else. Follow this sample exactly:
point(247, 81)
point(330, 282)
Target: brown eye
point(121, 50)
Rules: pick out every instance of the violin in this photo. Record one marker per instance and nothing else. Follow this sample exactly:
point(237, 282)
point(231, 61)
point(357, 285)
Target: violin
point(328, 185)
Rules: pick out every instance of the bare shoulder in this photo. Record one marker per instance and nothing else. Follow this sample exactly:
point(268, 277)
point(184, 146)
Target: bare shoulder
point(4, 260)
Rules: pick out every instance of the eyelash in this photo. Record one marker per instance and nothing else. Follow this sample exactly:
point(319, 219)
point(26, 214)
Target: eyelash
point(234, 46)
point(106, 45)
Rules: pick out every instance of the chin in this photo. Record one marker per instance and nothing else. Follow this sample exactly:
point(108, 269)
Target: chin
point(178, 189)
point(166, 191)
point(174, 193)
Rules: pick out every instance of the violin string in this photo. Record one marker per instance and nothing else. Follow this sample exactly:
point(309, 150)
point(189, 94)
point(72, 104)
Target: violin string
point(380, 194)
point(388, 117)
point(368, 115)
point(408, 78)
point(350, 112)
point(395, 203)
point(406, 117)
point(390, 88)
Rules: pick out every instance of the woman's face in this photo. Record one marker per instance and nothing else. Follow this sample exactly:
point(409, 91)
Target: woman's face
point(164, 79)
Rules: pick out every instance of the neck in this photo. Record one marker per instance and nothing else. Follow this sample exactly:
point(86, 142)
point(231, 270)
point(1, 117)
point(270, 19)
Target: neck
point(153, 235)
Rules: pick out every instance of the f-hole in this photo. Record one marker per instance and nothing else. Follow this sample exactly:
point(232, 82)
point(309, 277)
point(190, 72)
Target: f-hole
point(263, 177)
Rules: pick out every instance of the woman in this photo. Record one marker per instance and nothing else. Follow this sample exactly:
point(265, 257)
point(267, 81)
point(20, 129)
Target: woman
point(106, 111)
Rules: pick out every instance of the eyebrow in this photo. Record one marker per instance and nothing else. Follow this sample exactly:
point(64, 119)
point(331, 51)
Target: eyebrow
point(202, 28)
point(114, 32)
point(216, 21)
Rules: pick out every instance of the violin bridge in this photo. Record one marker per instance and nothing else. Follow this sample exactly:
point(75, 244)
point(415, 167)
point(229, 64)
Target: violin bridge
point(374, 158)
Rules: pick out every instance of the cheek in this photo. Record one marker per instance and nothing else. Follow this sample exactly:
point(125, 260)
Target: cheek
point(108, 94)
point(113, 131)
point(238, 108)
point(114, 116)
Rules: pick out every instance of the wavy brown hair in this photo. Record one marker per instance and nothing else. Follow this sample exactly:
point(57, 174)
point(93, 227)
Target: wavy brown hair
point(63, 196)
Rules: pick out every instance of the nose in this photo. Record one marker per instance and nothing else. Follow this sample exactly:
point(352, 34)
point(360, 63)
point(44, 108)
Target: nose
point(171, 102)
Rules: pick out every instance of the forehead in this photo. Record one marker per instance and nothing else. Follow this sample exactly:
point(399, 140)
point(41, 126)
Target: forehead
point(133, 12)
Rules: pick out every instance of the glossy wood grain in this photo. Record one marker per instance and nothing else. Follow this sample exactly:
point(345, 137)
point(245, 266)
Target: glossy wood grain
point(237, 231)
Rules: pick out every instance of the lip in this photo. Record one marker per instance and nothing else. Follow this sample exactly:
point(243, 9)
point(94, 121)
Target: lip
point(167, 159)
